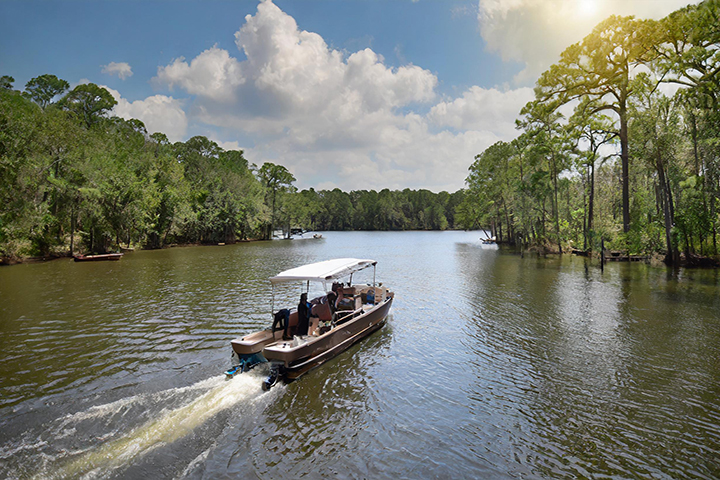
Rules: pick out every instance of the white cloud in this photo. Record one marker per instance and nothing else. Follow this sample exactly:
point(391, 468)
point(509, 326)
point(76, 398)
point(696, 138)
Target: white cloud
point(338, 119)
point(483, 110)
point(232, 145)
point(289, 76)
point(405, 155)
point(212, 74)
point(535, 32)
point(121, 69)
point(159, 113)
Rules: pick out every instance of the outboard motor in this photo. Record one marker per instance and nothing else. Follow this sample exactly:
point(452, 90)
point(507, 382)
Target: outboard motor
point(276, 371)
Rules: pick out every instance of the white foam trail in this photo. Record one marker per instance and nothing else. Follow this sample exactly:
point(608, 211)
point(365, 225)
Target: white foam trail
point(98, 411)
point(170, 426)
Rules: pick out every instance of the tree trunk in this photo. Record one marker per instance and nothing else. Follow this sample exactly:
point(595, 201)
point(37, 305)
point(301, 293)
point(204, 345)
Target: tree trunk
point(72, 229)
point(667, 209)
point(625, 166)
point(556, 205)
point(585, 183)
point(507, 222)
point(591, 201)
point(714, 228)
point(272, 218)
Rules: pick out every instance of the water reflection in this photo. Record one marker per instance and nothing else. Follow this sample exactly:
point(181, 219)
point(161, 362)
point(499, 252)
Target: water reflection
point(594, 372)
point(491, 366)
point(329, 411)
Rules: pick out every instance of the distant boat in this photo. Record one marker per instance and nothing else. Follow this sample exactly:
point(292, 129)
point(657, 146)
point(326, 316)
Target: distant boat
point(96, 258)
point(490, 242)
point(305, 235)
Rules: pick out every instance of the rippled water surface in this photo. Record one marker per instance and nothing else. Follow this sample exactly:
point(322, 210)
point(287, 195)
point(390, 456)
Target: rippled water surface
point(490, 366)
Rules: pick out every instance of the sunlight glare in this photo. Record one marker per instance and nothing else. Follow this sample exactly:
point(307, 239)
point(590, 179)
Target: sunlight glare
point(587, 8)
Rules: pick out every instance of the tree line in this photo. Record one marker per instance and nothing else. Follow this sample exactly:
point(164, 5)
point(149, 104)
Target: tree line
point(73, 178)
point(608, 151)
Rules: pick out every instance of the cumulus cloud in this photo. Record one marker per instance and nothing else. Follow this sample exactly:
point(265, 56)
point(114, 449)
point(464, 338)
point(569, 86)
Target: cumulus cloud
point(121, 69)
point(535, 32)
point(213, 74)
point(483, 109)
point(336, 118)
point(159, 113)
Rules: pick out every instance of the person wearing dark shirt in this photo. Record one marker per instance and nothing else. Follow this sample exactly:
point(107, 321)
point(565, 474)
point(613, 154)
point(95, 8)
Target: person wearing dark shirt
point(303, 315)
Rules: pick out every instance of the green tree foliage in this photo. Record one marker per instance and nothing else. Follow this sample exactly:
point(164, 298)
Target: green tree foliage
point(590, 133)
point(62, 182)
point(655, 122)
point(372, 210)
point(597, 70)
point(73, 179)
point(44, 88)
point(557, 180)
point(88, 102)
point(488, 189)
point(542, 124)
point(6, 82)
point(277, 181)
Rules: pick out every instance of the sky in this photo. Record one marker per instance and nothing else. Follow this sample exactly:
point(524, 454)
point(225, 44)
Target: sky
point(353, 94)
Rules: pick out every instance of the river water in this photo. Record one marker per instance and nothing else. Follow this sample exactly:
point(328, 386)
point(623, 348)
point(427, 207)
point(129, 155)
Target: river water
point(490, 366)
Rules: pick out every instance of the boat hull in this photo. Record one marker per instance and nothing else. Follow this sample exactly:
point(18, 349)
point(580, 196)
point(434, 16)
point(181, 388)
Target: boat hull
point(297, 360)
point(97, 258)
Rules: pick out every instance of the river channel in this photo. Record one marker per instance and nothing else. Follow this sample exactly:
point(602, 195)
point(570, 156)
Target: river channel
point(490, 366)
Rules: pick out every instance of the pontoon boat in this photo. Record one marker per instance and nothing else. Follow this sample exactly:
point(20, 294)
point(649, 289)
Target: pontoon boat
point(334, 322)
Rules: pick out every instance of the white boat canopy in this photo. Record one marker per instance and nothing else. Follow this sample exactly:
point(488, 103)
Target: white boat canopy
point(323, 271)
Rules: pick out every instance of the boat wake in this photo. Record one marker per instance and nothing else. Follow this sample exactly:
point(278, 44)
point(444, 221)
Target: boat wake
point(182, 410)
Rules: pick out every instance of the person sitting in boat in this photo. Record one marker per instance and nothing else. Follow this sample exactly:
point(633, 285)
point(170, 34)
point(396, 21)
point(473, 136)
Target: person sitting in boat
point(322, 310)
point(342, 302)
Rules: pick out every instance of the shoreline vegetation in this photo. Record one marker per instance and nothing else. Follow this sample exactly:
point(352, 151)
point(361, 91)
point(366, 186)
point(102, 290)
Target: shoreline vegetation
point(620, 148)
point(74, 179)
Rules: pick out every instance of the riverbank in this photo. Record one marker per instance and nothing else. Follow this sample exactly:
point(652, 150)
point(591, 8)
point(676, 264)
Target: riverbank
point(654, 259)
point(58, 254)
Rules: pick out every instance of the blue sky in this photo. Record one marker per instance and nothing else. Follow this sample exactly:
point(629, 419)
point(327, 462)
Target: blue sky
point(348, 94)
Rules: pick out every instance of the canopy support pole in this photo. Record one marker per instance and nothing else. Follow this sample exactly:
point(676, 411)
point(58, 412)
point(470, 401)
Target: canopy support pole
point(374, 268)
point(272, 303)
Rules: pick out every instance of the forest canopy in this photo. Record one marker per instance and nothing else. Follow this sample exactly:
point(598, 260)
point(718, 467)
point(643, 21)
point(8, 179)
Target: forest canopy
point(73, 178)
point(621, 144)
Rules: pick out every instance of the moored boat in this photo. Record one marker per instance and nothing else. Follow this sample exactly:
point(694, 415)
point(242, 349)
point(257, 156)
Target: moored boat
point(318, 330)
point(95, 258)
point(489, 242)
